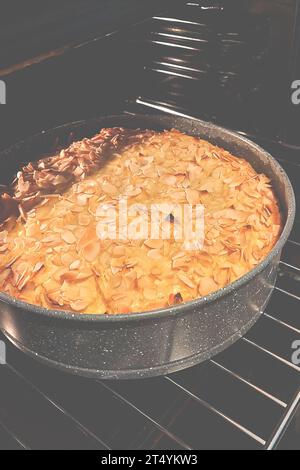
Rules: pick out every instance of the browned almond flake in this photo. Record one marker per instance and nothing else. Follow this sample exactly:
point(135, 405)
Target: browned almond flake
point(175, 299)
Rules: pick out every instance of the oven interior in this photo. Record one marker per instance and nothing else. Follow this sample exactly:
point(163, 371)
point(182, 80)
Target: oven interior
point(230, 62)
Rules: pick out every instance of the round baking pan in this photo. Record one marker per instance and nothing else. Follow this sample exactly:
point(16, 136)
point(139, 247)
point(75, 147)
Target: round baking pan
point(165, 340)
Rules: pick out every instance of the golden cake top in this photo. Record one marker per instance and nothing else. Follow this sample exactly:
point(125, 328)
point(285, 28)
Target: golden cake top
point(52, 249)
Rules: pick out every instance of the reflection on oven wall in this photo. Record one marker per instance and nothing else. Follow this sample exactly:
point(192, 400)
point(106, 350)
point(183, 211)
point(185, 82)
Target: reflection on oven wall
point(228, 61)
point(65, 61)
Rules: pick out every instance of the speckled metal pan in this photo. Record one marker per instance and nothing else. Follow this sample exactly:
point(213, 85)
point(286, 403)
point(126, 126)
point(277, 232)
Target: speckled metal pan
point(165, 340)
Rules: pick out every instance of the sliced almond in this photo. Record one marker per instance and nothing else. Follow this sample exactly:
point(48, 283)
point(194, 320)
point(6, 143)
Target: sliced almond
point(38, 267)
point(131, 192)
point(51, 286)
point(79, 305)
point(186, 280)
point(179, 263)
point(156, 271)
point(151, 243)
point(82, 199)
point(67, 259)
point(169, 180)
point(154, 254)
point(118, 251)
point(84, 220)
point(68, 237)
point(109, 188)
point(75, 265)
point(4, 275)
point(207, 286)
point(91, 251)
point(192, 196)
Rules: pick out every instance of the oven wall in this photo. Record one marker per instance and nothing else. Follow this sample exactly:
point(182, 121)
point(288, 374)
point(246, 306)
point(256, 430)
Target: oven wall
point(65, 61)
point(230, 61)
point(84, 82)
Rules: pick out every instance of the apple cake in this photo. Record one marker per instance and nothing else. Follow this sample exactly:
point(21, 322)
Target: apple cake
point(51, 254)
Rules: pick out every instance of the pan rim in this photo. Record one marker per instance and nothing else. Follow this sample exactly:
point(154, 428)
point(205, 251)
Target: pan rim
point(185, 307)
